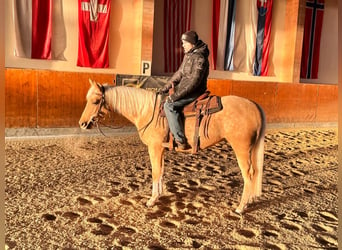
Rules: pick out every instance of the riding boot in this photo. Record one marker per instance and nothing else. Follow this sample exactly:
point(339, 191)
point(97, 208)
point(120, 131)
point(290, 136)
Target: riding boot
point(183, 145)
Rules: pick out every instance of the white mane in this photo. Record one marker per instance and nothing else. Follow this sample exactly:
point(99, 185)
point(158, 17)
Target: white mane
point(129, 101)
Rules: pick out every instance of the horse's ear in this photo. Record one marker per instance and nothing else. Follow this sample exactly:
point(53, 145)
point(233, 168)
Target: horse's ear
point(95, 84)
point(91, 82)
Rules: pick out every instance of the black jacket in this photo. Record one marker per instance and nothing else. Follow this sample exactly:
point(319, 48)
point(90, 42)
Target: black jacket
point(190, 80)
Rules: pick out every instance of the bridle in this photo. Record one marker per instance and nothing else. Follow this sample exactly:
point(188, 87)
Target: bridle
point(101, 105)
point(94, 119)
point(102, 102)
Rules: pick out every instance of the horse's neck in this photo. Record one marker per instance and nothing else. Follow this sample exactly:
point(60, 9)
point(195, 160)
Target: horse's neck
point(134, 104)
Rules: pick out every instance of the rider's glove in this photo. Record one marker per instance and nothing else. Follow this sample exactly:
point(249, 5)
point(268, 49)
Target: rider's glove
point(162, 91)
point(169, 99)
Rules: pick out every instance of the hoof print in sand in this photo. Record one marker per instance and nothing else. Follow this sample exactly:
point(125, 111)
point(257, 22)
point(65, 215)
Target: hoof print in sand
point(155, 215)
point(274, 246)
point(71, 215)
point(291, 225)
point(327, 240)
point(169, 224)
point(192, 221)
point(271, 233)
point(103, 229)
point(49, 217)
point(328, 216)
point(84, 201)
point(94, 220)
point(155, 247)
point(247, 233)
point(126, 230)
point(89, 200)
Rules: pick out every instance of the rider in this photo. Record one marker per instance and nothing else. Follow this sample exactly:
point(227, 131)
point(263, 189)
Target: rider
point(190, 81)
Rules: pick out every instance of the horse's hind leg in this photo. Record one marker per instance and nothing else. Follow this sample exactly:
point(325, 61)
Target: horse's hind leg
point(243, 156)
point(157, 162)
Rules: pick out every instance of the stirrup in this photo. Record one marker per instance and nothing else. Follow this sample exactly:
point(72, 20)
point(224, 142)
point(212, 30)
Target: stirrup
point(166, 144)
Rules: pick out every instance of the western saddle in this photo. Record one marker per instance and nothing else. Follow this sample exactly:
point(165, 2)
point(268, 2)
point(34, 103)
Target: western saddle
point(201, 108)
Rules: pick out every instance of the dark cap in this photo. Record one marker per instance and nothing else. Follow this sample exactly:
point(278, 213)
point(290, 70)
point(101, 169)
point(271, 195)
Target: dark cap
point(190, 36)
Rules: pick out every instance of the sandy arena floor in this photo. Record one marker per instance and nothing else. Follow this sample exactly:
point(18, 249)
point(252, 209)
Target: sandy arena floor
point(89, 192)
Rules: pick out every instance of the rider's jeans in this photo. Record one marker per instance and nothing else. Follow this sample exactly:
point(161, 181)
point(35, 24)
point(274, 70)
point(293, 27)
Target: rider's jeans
point(173, 111)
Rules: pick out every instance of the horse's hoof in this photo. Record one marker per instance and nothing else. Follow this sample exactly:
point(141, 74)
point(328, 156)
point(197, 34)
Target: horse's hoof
point(238, 211)
point(150, 203)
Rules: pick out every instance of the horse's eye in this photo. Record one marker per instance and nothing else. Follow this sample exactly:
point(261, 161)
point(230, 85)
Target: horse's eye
point(96, 102)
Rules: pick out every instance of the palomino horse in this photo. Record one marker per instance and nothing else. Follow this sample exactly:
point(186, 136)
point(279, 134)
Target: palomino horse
point(240, 122)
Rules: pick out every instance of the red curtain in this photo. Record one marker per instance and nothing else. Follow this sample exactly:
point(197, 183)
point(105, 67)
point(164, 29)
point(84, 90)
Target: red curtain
point(33, 28)
point(93, 37)
point(177, 17)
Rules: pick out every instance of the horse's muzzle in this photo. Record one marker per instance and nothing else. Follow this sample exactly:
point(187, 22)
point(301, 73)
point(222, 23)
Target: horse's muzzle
point(86, 125)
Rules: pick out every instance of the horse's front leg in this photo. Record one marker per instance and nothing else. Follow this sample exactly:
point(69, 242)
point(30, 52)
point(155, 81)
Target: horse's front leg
point(157, 162)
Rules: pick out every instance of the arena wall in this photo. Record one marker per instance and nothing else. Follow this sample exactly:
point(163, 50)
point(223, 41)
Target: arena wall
point(50, 99)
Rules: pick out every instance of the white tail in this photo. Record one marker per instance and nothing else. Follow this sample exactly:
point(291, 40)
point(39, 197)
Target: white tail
point(258, 156)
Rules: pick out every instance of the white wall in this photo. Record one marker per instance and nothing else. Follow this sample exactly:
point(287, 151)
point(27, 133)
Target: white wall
point(124, 47)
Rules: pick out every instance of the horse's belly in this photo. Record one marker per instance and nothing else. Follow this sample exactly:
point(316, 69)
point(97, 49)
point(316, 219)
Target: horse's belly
point(208, 133)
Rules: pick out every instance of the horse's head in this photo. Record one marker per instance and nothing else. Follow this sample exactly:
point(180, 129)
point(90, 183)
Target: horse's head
point(95, 107)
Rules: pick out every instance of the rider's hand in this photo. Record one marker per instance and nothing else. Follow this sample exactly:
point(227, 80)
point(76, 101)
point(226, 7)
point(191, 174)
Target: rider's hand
point(162, 91)
point(169, 99)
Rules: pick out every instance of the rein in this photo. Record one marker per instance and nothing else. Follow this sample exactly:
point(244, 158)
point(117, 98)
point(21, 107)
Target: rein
point(149, 123)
